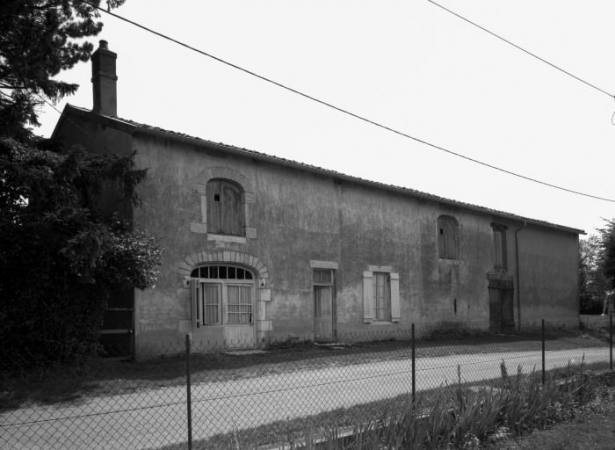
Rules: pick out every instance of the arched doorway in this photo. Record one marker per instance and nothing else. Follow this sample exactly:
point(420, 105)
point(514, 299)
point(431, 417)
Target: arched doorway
point(223, 296)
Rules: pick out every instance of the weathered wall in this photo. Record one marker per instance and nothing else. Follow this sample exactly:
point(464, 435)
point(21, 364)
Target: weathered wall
point(299, 217)
point(295, 216)
point(548, 277)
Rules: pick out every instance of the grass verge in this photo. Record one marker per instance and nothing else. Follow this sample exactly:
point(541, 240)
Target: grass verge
point(453, 415)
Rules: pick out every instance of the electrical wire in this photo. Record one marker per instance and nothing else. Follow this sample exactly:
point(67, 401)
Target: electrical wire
point(93, 139)
point(349, 113)
point(521, 48)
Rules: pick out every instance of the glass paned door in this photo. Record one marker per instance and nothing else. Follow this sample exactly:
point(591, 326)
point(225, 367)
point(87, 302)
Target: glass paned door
point(223, 299)
point(239, 316)
point(239, 305)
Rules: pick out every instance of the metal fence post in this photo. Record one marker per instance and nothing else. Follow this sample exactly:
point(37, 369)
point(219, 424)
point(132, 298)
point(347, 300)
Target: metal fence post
point(543, 351)
point(611, 340)
point(188, 391)
point(413, 366)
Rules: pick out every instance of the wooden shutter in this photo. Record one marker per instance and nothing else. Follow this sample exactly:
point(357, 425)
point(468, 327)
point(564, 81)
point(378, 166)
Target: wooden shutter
point(368, 297)
point(395, 305)
point(448, 237)
point(230, 198)
point(441, 238)
point(213, 206)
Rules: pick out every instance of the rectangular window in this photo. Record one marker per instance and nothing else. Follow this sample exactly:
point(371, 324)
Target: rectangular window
point(499, 247)
point(382, 297)
point(221, 303)
point(323, 276)
point(210, 304)
point(239, 305)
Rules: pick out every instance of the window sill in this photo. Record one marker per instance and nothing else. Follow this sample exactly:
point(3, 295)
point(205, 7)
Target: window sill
point(454, 262)
point(226, 238)
point(381, 323)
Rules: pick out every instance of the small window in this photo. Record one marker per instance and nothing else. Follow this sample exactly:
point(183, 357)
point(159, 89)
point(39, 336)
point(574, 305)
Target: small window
point(448, 237)
point(382, 297)
point(225, 208)
point(323, 276)
point(499, 247)
point(225, 272)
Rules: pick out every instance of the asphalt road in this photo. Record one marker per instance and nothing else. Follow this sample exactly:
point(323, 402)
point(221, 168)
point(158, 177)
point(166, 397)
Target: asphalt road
point(157, 418)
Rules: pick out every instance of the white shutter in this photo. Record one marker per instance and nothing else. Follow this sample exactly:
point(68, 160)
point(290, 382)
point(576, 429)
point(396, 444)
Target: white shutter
point(395, 306)
point(368, 297)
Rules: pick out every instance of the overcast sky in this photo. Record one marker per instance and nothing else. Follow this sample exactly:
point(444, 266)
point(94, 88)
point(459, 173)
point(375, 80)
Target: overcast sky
point(409, 65)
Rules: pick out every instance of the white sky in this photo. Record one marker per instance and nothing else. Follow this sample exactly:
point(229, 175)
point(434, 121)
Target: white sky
point(407, 64)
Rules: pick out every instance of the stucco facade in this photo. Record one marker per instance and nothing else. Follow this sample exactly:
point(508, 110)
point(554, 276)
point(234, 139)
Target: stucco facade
point(319, 254)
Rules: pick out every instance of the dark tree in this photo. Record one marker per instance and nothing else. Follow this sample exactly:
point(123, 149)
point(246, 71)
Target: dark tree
point(592, 282)
point(607, 239)
point(597, 267)
point(39, 39)
point(61, 255)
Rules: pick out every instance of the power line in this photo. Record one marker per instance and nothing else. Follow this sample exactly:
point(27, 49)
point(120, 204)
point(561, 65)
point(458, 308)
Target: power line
point(521, 48)
point(94, 141)
point(347, 112)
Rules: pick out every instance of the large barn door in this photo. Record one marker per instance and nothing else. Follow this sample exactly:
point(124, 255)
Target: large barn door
point(501, 317)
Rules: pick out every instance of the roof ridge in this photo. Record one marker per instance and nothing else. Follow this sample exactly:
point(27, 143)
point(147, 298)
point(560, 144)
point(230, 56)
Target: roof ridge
point(329, 172)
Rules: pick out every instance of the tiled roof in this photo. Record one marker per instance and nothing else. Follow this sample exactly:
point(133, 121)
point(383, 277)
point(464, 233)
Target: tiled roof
point(149, 129)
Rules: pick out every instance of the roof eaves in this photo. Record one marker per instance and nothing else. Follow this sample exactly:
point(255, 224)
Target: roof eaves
point(136, 127)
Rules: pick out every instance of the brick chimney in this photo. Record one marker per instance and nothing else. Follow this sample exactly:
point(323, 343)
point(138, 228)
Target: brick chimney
point(104, 80)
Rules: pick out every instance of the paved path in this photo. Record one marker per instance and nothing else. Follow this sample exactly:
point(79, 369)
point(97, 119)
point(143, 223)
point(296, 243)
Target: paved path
point(157, 418)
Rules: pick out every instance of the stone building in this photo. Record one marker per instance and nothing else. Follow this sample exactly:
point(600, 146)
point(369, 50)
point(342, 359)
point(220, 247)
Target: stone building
point(259, 248)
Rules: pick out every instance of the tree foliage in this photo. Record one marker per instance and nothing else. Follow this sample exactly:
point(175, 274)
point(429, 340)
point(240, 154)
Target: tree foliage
point(607, 238)
point(62, 254)
point(597, 267)
point(39, 39)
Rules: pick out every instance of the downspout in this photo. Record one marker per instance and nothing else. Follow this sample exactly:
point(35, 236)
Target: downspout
point(517, 270)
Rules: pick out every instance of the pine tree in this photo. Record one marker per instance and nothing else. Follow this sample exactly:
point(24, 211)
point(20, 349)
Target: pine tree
point(61, 256)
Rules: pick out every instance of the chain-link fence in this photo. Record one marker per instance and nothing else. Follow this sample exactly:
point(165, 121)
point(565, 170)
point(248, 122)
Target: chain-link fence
point(201, 397)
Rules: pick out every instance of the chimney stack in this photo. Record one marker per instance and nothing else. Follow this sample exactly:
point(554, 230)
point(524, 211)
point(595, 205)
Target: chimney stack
point(104, 80)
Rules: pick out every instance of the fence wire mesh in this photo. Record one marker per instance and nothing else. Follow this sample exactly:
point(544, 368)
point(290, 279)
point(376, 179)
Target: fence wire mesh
point(246, 398)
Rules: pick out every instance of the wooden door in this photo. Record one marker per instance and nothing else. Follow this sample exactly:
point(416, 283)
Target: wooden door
point(323, 313)
point(501, 295)
point(324, 305)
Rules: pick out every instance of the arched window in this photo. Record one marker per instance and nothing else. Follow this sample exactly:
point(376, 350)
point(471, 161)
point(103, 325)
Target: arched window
point(225, 208)
point(448, 237)
point(222, 295)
